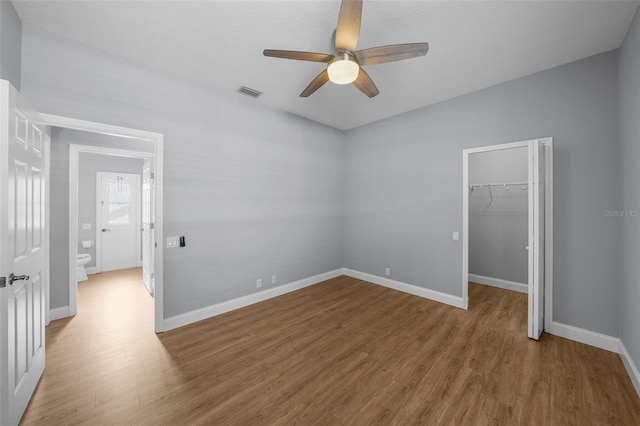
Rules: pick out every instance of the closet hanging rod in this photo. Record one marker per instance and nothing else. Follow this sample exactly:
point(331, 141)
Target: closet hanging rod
point(482, 185)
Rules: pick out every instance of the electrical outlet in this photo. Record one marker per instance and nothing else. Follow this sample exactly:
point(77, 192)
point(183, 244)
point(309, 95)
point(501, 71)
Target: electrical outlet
point(456, 236)
point(274, 279)
point(173, 242)
point(259, 283)
point(387, 271)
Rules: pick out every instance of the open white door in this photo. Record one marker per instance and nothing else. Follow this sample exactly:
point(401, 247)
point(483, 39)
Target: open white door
point(118, 230)
point(536, 239)
point(23, 252)
point(147, 226)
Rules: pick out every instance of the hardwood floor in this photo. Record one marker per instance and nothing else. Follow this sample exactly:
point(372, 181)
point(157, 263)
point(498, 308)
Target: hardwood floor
point(341, 352)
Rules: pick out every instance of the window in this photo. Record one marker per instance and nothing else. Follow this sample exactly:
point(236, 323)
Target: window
point(119, 200)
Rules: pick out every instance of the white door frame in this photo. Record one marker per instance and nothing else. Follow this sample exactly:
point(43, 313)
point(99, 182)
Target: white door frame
point(548, 240)
point(157, 155)
point(138, 202)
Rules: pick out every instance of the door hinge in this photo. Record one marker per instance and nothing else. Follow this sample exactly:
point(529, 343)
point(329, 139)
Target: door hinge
point(153, 175)
point(3, 282)
point(151, 225)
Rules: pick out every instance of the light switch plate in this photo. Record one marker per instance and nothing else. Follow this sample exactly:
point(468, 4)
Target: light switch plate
point(86, 226)
point(173, 242)
point(456, 235)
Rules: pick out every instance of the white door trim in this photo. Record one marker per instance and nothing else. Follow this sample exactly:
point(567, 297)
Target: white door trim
point(138, 202)
point(548, 256)
point(158, 141)
point(47, 221)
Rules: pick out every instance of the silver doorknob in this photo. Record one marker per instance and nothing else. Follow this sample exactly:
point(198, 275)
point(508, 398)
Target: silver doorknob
point(13, 278)
point(105, 230)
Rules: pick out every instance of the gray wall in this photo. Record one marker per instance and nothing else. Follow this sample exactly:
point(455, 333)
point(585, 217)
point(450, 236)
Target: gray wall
point(264, 191)
point(498, 229)
point(256, 192)
point(404, 184)
point(59, 201)
point(90, 164)
point(10, 44)
point(630, 176)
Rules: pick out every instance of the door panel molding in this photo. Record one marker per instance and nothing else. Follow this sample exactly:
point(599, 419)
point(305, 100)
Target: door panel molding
point(24, 251)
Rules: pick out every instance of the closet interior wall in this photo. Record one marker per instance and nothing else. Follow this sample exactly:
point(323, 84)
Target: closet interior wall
point(498, 201)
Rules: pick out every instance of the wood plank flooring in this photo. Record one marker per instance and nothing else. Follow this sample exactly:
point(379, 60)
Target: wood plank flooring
point(341, 352)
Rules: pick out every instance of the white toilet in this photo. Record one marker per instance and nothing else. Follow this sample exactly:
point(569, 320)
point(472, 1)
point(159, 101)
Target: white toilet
point(83, 259)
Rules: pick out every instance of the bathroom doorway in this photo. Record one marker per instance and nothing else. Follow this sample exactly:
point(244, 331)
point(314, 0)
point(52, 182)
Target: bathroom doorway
point(508, 223)
point(107, 180)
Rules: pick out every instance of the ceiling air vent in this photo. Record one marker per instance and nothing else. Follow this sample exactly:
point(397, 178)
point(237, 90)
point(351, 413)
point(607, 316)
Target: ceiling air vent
point(249, 91)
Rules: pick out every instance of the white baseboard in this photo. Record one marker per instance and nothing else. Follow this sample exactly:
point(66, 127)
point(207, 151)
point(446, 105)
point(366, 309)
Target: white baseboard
point(230, 305)
point(500, 283)
point(581, 335)
point(58, 313)
point(91, 270)
point(407, 288)
point(632, 368)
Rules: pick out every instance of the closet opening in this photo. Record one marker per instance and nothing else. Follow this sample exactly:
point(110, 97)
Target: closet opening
point(508, 224)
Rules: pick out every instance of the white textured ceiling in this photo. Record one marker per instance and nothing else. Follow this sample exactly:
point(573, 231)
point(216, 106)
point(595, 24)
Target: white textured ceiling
point(473, 44)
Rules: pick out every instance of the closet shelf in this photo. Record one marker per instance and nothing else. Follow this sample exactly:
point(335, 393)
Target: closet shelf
point(505, 185)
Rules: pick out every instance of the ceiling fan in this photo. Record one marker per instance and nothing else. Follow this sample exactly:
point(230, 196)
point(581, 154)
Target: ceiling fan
point(345, 65)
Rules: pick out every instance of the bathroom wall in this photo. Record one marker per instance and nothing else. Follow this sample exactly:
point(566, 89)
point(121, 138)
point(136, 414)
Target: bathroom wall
point(90, 164)
point(498, 229)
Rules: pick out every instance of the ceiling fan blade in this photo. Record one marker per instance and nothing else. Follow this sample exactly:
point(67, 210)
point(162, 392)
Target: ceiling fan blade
point(394, 52)
point(300, 56)
point(317, 83)
point(348, 27)
point(365, 84)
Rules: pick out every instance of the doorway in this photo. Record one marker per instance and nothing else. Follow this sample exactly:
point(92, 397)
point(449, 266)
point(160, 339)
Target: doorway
point(512, 222)
point(155, 156)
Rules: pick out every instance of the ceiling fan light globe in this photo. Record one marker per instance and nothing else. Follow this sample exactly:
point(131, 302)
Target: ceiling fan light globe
point(344, 71)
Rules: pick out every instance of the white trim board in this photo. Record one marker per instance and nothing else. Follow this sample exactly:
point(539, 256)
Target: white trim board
point(59, 313)
point(500, 283)
point(407, 288)
point(241, 302)
point(91, 270)
point(632, 368)
point(602, 341)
